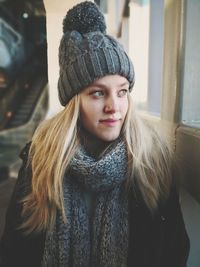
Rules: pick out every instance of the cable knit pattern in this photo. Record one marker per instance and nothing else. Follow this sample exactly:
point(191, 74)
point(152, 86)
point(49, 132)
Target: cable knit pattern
point(87, 53)
point(103, 241)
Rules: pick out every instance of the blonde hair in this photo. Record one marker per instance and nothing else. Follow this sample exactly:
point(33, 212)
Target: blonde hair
point(54, 144)
point(150, 159)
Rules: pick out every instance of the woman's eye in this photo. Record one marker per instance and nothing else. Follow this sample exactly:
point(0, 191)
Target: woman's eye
point(98, 93)
point(122, 92)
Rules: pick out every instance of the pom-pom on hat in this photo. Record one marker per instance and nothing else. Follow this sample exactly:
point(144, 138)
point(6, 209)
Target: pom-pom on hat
point(86, 53)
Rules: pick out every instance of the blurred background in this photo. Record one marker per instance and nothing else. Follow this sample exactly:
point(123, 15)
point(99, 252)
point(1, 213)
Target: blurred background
point(161, 36)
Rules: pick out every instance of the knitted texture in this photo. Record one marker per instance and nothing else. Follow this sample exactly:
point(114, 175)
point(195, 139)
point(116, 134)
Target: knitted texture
point(86, 53)
point(84, 17)
point(102, 240)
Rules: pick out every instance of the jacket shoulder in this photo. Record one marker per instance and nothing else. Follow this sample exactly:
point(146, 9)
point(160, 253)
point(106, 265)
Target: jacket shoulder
point(25, 151)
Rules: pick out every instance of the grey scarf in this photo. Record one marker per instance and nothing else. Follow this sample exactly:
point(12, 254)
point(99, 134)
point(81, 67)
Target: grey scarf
point(103, 240)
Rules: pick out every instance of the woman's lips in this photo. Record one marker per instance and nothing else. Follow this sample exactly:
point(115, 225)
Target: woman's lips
point(109, 122)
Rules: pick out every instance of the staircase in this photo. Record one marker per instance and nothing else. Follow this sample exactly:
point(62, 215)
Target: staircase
point(27, 105)
point(20, 129)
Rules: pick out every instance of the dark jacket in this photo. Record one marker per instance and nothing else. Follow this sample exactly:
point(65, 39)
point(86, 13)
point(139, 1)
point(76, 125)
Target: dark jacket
point(158, 240)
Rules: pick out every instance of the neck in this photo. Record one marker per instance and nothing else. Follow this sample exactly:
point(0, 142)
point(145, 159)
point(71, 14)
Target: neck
point(94, 146)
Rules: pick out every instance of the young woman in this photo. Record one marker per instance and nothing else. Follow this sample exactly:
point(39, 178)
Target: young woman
point(96, 184)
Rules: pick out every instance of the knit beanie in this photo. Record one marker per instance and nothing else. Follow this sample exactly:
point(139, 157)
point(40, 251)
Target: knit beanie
point(87, 53)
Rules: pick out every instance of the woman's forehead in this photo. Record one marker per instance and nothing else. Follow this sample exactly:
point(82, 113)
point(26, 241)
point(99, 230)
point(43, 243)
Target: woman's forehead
point(114, 80)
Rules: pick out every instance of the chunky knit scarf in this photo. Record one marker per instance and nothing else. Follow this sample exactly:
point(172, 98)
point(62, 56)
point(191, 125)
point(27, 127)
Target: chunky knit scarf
point(99, 240)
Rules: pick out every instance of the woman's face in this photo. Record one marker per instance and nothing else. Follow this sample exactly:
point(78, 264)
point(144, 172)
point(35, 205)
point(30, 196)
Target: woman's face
point(104, 105)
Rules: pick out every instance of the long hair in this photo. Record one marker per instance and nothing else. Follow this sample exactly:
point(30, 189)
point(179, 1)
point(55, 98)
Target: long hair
point(54, 144)
point(149, 159)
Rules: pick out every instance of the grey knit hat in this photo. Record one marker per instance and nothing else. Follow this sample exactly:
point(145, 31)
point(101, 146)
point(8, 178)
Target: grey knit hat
point(86, 53)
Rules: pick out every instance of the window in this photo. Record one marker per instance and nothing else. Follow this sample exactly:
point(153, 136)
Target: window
point(191, 70)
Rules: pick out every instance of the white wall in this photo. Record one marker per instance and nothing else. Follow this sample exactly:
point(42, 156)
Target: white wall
point(139, 47)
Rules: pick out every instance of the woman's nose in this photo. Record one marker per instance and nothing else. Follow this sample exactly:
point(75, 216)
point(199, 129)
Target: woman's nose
point(111, 105)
